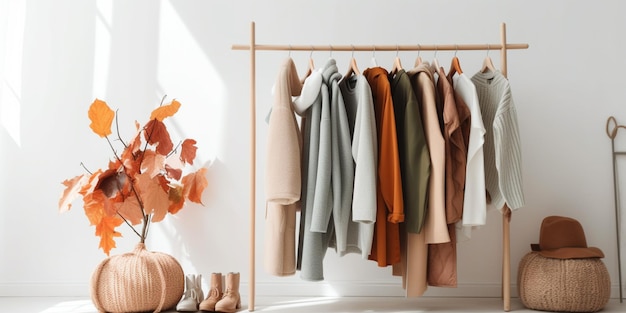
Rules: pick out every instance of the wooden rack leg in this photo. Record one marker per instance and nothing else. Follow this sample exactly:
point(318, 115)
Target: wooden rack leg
point(506, 258)
point(252, 282)
point(506, 211)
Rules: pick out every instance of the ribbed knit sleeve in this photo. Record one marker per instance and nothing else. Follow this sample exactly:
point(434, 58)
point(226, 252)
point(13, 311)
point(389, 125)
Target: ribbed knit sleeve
point(502, 149)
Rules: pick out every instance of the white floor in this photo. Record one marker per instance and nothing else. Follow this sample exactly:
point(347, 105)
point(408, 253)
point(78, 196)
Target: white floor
point(304, 305)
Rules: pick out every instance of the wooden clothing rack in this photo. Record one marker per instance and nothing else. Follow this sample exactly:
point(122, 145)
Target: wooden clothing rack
point(253, 47)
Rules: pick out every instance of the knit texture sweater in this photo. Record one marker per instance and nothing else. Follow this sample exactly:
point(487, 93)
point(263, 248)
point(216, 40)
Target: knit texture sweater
point(321, 172)
point(282, 167)
point(283, 174)
point(502, 148)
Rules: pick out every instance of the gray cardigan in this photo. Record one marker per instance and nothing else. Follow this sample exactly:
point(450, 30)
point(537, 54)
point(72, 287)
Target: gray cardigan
point(316, 198)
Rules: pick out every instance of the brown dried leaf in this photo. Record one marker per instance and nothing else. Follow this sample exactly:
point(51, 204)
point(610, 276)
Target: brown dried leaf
point(177, 199)
point(156, 133)
point(188, 151)
point(174, 173)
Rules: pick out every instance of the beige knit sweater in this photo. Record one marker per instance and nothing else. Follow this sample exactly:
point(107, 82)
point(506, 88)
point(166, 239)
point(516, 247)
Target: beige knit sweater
point(284, 142)
point(282, 175)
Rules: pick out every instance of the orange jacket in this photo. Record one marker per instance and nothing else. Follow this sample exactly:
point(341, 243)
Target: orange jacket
point(390, 209)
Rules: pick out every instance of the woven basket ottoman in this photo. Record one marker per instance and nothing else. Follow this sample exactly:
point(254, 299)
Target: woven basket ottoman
point(563, 285)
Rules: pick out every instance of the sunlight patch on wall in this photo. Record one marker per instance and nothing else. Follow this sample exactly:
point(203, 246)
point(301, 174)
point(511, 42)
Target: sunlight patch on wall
point(186, 73)
point(102, 49)
point(11, 70)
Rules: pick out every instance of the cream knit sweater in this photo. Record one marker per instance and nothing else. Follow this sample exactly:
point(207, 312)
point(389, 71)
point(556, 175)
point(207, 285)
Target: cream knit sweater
point(502, 148)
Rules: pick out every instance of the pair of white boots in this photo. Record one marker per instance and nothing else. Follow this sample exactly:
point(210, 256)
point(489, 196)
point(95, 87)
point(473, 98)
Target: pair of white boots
point(223, 295)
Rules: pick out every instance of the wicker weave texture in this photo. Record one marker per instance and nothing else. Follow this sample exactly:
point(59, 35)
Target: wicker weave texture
point(564, 285)
point(139, 281)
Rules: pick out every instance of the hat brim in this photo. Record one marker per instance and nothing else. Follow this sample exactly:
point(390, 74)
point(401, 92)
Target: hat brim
point(572, 253)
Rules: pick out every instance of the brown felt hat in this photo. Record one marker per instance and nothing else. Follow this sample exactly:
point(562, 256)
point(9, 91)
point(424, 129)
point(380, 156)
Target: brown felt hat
point(564, 238)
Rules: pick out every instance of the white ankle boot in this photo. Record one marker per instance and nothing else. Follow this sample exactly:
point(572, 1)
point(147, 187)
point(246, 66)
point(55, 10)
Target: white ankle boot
point(193, 294)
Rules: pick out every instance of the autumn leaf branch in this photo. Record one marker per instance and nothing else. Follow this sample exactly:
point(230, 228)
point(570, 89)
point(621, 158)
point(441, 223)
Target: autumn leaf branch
point(138, 187)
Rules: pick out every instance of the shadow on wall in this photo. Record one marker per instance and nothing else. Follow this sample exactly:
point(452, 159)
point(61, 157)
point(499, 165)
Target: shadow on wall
point(204, 239)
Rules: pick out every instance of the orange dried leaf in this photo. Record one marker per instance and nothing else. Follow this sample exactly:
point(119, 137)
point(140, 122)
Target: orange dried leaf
point(73, 187)
point(135, 143)
point(101, 117)
point(164, 182)
point(94, 207)
point(90, 185)
point(106, 231)
point(131, 210)
point(175, 207)
point(115, 164)
point(155, 199)
point(156, 134)
point(177, 199)
point(194, 185)
point(112, 205)
point(129, 154)
point(164, 111)
point(152, 163)
point(188, 151)
point(132, 164)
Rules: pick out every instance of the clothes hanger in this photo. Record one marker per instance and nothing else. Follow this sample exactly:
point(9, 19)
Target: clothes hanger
point(397, 65)
point(353, 69)
point(487, 63)
point(418, 60)
point(311, 67)
point(374, 63)
point(455, 66)
point(435, 66)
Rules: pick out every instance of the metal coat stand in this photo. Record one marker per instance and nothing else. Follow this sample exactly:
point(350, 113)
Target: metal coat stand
point(611, 130)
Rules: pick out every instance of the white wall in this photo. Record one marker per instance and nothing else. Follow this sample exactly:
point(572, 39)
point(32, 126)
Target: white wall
point(57, 56)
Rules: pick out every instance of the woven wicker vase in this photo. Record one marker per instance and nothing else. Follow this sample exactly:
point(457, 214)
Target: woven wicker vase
point(139, 281)
point(568, 285)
